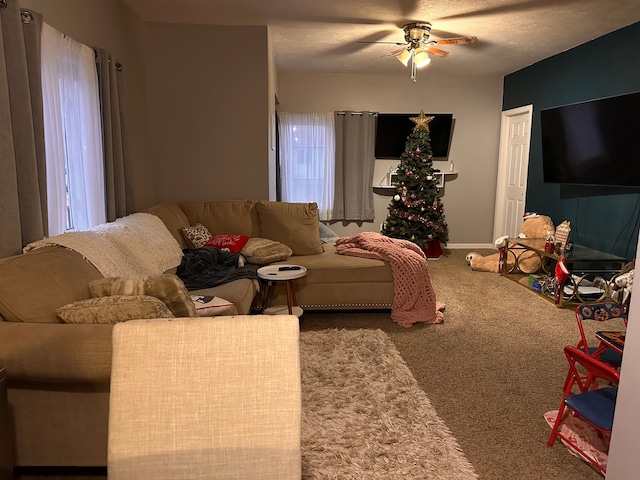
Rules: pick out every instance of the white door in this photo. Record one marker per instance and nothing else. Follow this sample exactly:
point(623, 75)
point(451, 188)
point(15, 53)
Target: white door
point(513, 164)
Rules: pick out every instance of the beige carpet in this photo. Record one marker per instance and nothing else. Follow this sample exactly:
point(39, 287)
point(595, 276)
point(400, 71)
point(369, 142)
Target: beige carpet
point(364, 416)
point(491, 370)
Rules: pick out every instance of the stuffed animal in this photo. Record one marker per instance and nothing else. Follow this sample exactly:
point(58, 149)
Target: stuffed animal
point(533, 226)
point(623, 283)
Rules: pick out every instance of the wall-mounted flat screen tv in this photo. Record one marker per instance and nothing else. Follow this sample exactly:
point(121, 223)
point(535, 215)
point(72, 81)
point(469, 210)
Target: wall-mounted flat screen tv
point(392, 130)
point(593, 143)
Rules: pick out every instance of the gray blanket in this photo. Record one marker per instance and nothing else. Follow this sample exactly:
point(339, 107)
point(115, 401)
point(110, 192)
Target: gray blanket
point(209, 267)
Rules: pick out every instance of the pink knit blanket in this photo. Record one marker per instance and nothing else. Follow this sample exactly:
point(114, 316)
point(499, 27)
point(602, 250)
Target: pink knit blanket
point(414, 301)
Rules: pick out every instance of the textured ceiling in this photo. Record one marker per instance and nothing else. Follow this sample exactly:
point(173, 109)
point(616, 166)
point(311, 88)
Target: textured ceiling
point(324, 35)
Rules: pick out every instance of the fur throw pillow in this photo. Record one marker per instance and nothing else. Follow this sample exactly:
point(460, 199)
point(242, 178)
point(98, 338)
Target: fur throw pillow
point(113, 309)
point(167, 288)
point(262, 251)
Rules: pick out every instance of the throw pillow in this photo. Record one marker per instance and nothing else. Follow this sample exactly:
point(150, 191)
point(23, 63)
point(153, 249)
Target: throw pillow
point(233, 243)
point(262, 251)
point(210, 306)
point(113, 309)
point(291, 223)
point(168, 288)
point(196, 235)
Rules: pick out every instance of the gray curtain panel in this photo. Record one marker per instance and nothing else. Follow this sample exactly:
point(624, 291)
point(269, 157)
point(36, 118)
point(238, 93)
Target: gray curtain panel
point(116, 148)
point(355, 137)
point(23, 180)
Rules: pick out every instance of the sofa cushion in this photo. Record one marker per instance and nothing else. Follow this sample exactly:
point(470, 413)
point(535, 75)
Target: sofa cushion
point(34, 284)
point(262, 251)
point(225, 216)
point(197, 235)
point(294, 224)
point(224, 241)
point(168, 288)
point(113, 309)
point(174, 219)
point(331, 267)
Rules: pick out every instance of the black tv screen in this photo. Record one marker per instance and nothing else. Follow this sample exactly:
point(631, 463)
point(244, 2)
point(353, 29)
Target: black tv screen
point(593, 143)
point(392, 130)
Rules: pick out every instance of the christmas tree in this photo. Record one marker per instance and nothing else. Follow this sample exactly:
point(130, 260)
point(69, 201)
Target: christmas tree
point(415, 212)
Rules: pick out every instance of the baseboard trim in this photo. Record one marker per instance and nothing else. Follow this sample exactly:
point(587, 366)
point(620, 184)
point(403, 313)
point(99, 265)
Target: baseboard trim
point(471, 246)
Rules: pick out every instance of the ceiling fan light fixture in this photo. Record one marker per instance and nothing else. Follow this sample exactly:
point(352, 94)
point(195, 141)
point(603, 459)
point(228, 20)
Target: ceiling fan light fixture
point(416, 34)
point(421, 57)
point(404, 57)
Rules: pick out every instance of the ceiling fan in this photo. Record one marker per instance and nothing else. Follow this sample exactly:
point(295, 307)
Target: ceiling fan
point(417, 46)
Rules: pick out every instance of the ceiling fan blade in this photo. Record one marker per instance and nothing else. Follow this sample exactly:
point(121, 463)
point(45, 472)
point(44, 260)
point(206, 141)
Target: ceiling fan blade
point(298, 17)
point(377, 37)
point(519, 7)
point(437, 52)
point(457, 41)
point(444, 34)
point(393, 53)
point(388, 43)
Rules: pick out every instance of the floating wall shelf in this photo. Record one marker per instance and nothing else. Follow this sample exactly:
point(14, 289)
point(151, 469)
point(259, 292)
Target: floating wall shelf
point(388, 190)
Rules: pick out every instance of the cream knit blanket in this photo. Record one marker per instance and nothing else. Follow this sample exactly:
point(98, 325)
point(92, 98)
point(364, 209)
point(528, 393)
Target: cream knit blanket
point(414, 301)
point(138, 244)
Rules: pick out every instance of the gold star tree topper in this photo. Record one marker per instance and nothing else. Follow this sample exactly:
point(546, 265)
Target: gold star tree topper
point(421, 121)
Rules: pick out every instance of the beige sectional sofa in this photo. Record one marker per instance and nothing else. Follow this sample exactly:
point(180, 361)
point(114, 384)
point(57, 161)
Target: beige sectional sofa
point(58, 373)
point(333, 282)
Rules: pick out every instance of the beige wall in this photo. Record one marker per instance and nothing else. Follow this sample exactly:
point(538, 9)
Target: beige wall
point(476, 105)
point(199, 101)
point(112, 26)
point(208, 111)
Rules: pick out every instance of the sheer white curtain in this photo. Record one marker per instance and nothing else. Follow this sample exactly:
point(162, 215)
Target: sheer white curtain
point(73, 134)
point(307, 159)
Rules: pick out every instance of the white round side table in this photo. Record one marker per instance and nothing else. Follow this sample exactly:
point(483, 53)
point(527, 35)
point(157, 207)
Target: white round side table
point(281, 273)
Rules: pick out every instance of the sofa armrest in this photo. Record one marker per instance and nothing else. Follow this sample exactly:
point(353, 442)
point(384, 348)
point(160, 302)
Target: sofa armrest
point(55, 353)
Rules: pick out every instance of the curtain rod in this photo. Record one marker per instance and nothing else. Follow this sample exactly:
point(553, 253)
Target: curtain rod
point(355, 113)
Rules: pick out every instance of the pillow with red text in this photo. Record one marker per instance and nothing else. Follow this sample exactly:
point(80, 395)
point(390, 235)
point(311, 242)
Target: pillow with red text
point(233, 243)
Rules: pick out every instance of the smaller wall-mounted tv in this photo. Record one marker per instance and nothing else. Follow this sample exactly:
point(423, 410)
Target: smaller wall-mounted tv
point(593, 143)
point(392, 130)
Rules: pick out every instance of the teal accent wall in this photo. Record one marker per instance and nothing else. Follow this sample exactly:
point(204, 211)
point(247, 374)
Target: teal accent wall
point(605, 218)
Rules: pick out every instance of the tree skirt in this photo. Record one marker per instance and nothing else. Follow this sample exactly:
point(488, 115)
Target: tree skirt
point(584, 435)
point(364, 415)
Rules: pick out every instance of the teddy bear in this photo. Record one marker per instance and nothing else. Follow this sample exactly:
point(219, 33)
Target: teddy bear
point(533, 226)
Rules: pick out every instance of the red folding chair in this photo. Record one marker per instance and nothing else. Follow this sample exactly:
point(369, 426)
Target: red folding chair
point(594, 405)
point(598, 312)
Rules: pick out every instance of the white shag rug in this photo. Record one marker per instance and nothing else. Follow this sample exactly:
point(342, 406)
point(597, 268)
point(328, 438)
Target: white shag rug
point(364, 415)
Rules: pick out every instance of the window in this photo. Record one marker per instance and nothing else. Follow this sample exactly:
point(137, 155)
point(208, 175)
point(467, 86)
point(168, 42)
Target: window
point(73, 134)
point(307, 159)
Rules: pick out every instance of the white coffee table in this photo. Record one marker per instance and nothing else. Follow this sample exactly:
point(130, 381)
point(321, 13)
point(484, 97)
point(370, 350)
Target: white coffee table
point(286, 273)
